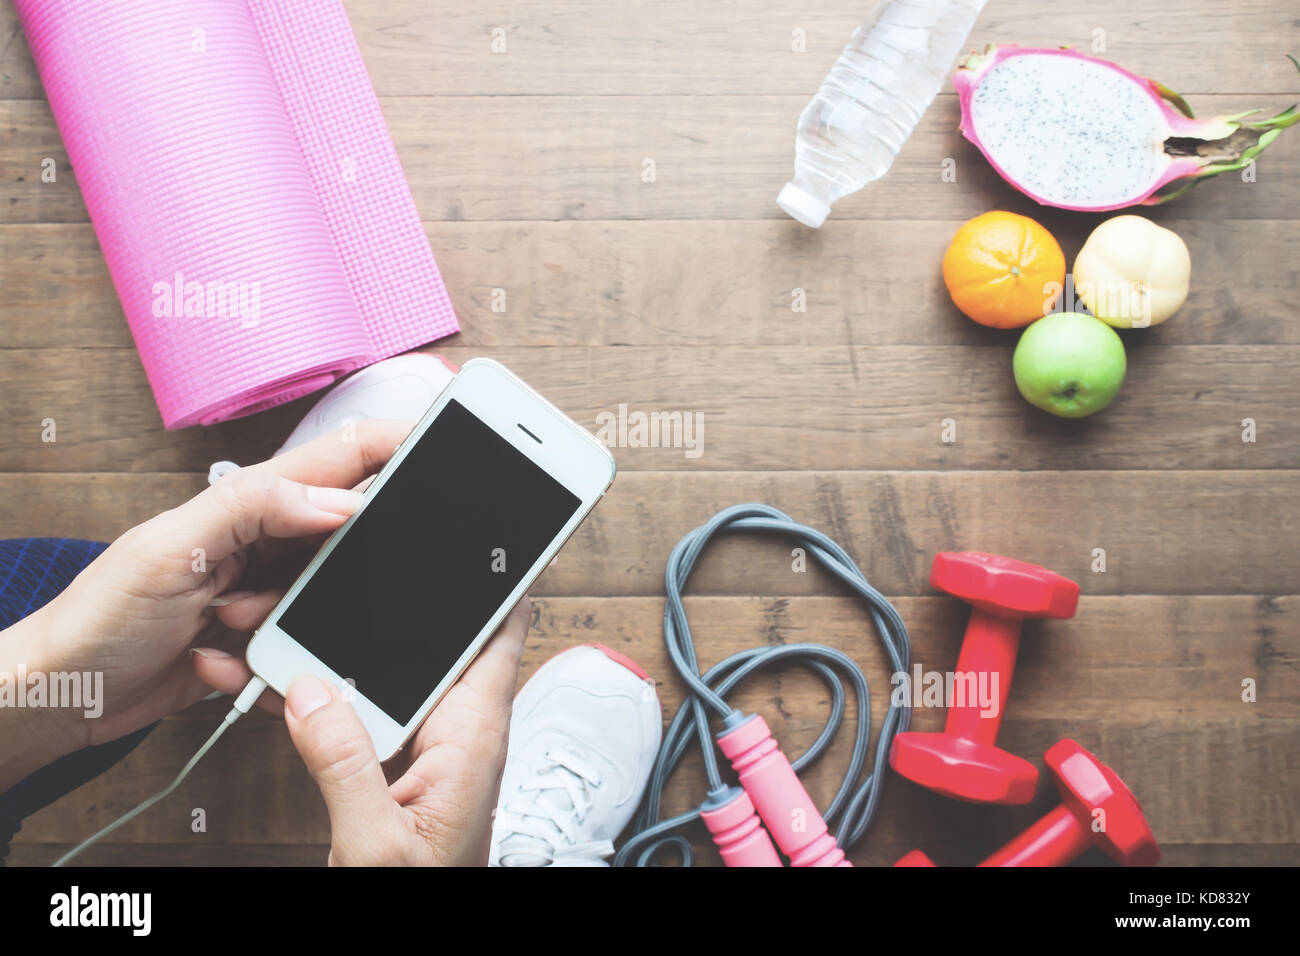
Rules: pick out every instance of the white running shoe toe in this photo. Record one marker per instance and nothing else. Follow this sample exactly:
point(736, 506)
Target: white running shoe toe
point(400, 387)
point(584, 734)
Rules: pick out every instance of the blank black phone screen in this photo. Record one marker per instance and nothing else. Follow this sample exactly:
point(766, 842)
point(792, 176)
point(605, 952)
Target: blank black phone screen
point(427, 563)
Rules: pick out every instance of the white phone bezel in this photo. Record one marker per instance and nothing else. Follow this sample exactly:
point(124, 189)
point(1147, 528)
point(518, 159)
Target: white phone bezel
point(567, 452)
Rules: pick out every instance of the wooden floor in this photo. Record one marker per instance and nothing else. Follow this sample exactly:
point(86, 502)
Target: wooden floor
point(527, 167)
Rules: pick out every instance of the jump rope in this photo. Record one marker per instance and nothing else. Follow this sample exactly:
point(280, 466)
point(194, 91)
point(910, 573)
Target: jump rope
point(771, 803)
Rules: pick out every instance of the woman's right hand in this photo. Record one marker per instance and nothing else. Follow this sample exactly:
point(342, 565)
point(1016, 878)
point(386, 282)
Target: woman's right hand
point(438, 811)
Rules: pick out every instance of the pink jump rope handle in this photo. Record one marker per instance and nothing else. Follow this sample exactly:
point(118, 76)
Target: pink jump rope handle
point(737, 831)
point(782, 802)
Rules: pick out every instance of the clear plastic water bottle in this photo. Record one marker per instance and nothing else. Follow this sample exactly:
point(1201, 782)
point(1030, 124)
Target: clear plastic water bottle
point(872, 99)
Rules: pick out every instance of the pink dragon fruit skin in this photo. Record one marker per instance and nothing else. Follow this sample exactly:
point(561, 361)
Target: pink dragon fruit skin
point(1052, 122)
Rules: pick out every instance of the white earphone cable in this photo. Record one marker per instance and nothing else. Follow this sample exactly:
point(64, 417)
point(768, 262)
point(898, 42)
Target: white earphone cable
point(243, 703)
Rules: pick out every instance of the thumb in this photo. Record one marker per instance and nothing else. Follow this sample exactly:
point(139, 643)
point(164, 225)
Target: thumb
point(255, 503)
point(341, 758)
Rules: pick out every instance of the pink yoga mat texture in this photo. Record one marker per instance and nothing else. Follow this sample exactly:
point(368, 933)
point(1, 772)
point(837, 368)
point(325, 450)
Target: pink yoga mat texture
point(245, 191)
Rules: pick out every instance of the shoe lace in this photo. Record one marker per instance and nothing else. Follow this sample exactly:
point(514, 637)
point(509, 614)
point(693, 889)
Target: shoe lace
point(537, 827)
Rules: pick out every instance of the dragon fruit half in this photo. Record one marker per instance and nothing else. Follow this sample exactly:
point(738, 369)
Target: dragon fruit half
point(1076, 132)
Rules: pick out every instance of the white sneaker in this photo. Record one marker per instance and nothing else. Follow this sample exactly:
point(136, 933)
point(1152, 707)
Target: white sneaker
point(403, 386)
point(583, 738)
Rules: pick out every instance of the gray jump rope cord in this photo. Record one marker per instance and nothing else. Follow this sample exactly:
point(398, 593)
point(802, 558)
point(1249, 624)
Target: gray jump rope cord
point(854, 805)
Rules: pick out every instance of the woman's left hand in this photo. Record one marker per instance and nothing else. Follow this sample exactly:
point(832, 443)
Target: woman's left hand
point(190, 578)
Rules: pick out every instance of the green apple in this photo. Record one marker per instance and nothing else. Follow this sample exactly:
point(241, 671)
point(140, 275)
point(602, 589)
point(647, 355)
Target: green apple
point(1069, 364)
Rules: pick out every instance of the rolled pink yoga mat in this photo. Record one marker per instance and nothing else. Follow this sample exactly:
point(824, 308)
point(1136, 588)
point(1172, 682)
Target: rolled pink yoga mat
point(245, 192)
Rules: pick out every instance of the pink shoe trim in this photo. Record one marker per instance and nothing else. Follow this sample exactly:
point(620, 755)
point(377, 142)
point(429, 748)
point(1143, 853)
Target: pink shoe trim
point(451, 366)
point(623, 659)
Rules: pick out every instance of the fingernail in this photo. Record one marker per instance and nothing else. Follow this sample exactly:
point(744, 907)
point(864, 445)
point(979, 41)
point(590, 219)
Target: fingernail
point(211, 652)
point(230, 597)
point(307, 694)
point(339, 501)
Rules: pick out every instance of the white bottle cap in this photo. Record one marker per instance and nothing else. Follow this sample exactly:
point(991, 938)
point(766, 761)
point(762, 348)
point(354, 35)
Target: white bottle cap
point(803, 205)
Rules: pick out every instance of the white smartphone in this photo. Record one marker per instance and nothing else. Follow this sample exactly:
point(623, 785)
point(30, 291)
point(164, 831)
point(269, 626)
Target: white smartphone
point(468, 512)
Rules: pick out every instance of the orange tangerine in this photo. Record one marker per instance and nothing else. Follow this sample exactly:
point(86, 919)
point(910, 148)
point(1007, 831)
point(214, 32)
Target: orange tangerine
point(1002, 269)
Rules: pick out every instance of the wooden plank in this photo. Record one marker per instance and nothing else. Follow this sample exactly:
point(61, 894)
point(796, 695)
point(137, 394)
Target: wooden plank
point(749, 408)
point(188, 854)
point(1154, 689)
point(878, 853)
point(732, 283)
point(1184, 532)
point(255, 764)
point(264, 788)
point(647, 283)
point(428, 47)
point(1140, 656)
point(715, 157)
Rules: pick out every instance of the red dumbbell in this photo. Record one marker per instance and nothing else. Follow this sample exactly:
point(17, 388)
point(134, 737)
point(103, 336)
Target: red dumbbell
point(915, 858)
point(1097, 809)
point(962, 761)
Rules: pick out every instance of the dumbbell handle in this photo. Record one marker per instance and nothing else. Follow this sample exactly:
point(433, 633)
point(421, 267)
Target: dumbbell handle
point(990, 647)
point(781, 800)
point(737, 830)
point(1054, 840)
